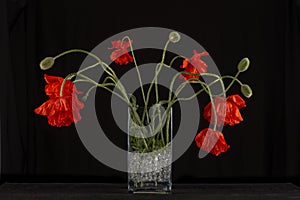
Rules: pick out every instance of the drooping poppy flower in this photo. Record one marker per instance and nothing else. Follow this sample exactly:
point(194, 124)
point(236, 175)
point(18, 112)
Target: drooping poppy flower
point(211, 141)
point(228, 112)
point(194, 65)
point(60, 110)
point(121, 55)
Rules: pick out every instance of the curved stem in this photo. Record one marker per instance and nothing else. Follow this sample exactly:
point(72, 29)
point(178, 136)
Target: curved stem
point(79, 80)
point(172, 84)
point(136, 66)
point(104, 86)
point(69, 76)
point(233, 79)
point(89, 67)
point(110, 78)
point(77, 51)
point(219, 78)
point(154, 80)
point(159, 69)
point(204, 85)
point(88, 92)
point(214, 109)
point(99, 61)
point(176, 57)
point(196, 94)
point(110, 72)
point(184, 83)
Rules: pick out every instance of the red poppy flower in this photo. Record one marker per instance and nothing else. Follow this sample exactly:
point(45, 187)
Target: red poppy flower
point(228, 112)
point(121, 55)
point(211, 141)
point(60, 111)
point(194, 65)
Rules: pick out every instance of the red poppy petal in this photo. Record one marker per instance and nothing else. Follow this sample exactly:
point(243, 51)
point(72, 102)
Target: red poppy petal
point(237, 99)
point(211, 141)
point(233, 115)
point(185, 63)
point(51, 79)
point(60, 111)
point(45, 108)
point(116, 44)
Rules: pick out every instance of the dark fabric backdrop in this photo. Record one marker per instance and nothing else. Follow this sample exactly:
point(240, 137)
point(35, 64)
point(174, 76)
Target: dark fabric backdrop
point(264, 147)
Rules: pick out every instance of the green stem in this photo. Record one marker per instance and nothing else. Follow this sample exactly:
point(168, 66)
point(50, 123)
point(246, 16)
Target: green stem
point(214, 109)
point(89, 67)
point(233, 79)
point(176, 57)
point(182, 85)
point(159, 69)
point(137, 70)
point(76, 51)
point(104, 86)
point(136, 66)
point(204, 86)
point(89, 90)
point(218, 78)
point(154, 81)
point(69, 76)
point(167, 127)
point(110, 72)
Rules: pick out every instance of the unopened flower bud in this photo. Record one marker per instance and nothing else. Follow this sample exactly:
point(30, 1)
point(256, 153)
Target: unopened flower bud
point(47, 63)
point(174, 37)
point(243, 65)
point(246, 90)
point(84, 98)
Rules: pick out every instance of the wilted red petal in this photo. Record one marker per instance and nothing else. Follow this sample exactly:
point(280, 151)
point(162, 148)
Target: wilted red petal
point(60, 111)
point(194, 65)
point(51, 79)
point(211, 141)
point(220, 106)
point(52, 89)
point(121, 55)
point(228, 112)
point(116, 44)
point(191, 70)
point(45, 108)
point(237, 100)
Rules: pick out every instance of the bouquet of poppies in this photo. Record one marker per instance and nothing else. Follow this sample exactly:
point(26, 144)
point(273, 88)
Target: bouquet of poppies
point(65, 100)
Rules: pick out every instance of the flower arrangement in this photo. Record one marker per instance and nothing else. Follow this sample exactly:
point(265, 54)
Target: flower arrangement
point(64, 105)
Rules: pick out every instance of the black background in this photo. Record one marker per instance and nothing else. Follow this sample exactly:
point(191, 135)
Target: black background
point(265, 147)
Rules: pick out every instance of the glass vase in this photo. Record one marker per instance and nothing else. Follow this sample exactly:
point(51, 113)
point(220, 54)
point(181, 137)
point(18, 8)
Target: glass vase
point(150, 150)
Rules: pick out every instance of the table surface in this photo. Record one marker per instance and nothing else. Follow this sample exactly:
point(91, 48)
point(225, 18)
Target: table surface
point(91, 191)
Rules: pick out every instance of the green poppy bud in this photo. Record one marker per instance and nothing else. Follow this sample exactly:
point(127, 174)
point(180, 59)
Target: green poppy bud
point(174, 37)
point(243, 64)
point(246, 90)
point(47, 63)
point(133, 99)
point(84, 98)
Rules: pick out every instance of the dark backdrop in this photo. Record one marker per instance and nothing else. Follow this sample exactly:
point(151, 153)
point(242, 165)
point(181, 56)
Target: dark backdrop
point(264, 147)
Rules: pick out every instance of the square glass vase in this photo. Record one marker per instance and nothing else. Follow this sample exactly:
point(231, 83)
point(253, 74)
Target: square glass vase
point(149, 159)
